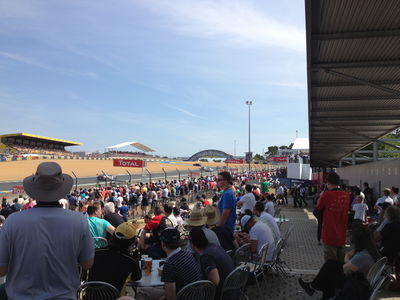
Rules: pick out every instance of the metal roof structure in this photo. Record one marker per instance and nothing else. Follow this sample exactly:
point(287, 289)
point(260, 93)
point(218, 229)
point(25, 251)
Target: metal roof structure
point(41, 138)
point(137, 145)
point(353, 69)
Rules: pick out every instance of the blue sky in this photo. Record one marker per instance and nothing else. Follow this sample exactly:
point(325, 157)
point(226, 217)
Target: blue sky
point(171, 74)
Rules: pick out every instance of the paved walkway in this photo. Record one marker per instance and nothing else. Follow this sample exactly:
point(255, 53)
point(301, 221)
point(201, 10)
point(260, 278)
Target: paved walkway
point(304, 256)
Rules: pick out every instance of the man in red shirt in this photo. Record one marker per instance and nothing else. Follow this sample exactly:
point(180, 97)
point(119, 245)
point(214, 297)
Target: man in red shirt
point(335, 204)
point(149, 240)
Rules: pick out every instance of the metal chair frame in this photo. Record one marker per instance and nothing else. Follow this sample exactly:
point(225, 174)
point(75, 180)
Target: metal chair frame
point(276, 263)
point(375, 272)
point(198, 290)
point(97, 290)
point(242, 254)
point(257, 268)
point(236, 280)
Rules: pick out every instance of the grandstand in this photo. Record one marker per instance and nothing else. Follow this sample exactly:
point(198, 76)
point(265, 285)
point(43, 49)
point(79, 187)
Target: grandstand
point(30, 144)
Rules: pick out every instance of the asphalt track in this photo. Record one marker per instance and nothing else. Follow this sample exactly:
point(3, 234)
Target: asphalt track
point(6, 186)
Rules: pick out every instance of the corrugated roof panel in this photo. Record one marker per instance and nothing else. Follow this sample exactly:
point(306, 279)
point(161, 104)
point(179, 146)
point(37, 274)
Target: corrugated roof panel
point(358, 41)
point(358, 49)
point(358, 15)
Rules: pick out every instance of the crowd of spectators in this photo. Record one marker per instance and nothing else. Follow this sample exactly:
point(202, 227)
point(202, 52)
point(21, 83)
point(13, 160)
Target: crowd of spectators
point(192, 223)
point(20, 149)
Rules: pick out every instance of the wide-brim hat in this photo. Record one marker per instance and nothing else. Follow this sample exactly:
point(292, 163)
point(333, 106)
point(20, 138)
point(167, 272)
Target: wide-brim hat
point(125, 231)
point(212, 214)
point(196, 217)
point(49, 184)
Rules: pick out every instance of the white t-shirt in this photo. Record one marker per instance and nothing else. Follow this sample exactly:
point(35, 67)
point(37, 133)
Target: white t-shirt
point(248, 201)
point(383, 200)
point(270, 208)
point(395, 199)
point(173, 219)
point(260, 232)
point(270, 221)
point(280, 190)
point(165, 193)
point(360, 209)
point(119, 201)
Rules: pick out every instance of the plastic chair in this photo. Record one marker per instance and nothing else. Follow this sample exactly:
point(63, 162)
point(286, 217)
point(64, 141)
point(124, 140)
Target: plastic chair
point(97, 290)
point(198, 290)
point(236, 281)
point(242, 254)
point(375, 272)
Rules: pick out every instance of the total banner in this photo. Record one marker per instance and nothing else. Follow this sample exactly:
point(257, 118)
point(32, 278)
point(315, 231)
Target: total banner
point(18, 189)
point(129, 163)
point(234, 161)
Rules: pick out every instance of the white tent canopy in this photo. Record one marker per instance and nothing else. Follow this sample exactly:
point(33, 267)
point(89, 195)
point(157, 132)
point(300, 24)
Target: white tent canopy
point(301, 144)
point(137, 145)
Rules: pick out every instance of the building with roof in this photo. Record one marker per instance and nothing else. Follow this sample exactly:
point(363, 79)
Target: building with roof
point(26, 143)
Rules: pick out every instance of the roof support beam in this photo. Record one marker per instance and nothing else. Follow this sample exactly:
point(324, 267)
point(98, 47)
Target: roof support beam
point(355, 35)
point(364, 136)
point(356, 64)
point(365, 82)
point(359, 118)
point(352, 83)
point(360, 98)
point(356, 109)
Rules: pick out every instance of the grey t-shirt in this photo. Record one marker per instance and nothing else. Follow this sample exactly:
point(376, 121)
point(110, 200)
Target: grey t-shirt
point(211, 236)
point(363, 260)
point(42, 248)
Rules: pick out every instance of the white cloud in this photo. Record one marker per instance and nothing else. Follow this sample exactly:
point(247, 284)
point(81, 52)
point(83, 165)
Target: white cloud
point(33, 62)
point(237, 22)
point(185, 112)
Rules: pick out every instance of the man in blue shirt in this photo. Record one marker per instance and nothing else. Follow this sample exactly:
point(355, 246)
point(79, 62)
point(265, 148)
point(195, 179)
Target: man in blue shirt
point(227, 203)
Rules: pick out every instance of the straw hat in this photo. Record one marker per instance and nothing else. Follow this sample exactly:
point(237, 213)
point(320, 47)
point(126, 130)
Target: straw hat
point(196, 217)
point(125, 231)
point(49, 184)
point(212, 214)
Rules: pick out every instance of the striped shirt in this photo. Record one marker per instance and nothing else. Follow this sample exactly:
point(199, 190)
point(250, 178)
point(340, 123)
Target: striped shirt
point(182, 268)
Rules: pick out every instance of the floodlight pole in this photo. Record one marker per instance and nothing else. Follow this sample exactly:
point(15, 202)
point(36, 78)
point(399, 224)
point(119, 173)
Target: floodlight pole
point(249, 103)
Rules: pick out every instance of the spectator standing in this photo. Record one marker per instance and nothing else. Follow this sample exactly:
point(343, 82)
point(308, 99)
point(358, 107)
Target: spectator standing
point(225, 236)
point(335, 204)
point(360, 211)
point(368, 192)
point(43, 262)
point(270, 206)
point(227, 203)
point(247, 201)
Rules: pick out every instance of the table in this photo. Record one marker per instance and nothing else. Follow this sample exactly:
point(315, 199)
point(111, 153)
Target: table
point(281, 220)
point(150, 280)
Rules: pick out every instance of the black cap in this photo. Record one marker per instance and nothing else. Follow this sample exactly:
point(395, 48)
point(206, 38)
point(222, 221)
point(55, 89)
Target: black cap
point(170, 235)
